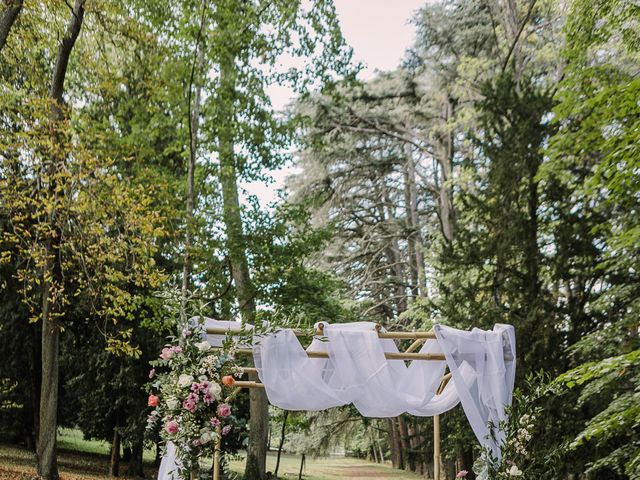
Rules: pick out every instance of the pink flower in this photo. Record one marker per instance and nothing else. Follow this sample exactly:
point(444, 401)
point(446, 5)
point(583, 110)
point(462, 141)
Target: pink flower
point(226, 429)
point(171, 427)
point(196, 442)
point(215, 422)
point(153, 401)
point(152, 373)
point(167, 353)
point(177, 349)
point(224, 410)
point(462, 474)
point(200, 387)
point(228, 381)
point(190, 402)
point(208, 398)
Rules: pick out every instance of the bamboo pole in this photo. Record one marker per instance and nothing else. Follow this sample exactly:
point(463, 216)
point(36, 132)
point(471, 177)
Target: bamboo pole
point(436, 447)
point(388, 355)
point(216, 453)
point(248, 384)
point(320, 331)
point(414, 346)
point(254, 384)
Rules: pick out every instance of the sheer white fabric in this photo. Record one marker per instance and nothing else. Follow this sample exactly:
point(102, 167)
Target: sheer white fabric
point(216, 340)
point(357, 372)
point(492, 356)
point(169, 466)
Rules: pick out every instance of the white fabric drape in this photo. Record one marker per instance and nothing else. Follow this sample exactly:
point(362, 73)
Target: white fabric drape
point(492, 356)
point(357, 372)
point(169, 466)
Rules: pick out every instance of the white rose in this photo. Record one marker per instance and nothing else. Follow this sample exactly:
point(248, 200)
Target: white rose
point(203, 346)
point(514, 471)
point(206, 437)
point(215, 390)
point(172, 403)
point(185, 380)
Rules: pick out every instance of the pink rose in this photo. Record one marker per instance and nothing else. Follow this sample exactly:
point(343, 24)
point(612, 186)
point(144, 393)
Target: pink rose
point(171, 427)
point(226, 429)
point(462, 474)
point(215, 422)
point(224, 410)
point(153, 401)
point(167, 353)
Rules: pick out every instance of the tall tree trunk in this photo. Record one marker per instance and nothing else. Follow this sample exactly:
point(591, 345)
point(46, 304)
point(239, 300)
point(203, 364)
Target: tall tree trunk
point(194, 125)
point(114, 464)
point(394, 444)
point(46, 445)
point(36, 379)
point(464, 461)
point(415, 234)
point(259, 412)
point(136, 461)
point(446, 211)
point(393, 252)
point(407, 456)
point(282, 437)
point(8, 18)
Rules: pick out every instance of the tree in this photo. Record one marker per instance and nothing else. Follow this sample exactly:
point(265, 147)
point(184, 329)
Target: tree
point(250, 138)
point(77, 232)
point(594, 155)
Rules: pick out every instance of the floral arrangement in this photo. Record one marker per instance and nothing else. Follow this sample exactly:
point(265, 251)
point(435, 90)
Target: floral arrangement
point(187, 393)
point(517, 462)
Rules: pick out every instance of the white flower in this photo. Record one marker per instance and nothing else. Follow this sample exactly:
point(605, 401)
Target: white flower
point(185, 380)
point(206, 437)
point(215, 390)
point(203, 346)
point(172, 403)
point(514, 471)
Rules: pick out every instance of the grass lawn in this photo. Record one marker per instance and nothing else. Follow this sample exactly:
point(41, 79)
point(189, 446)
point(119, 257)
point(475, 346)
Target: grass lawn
point(81, 459)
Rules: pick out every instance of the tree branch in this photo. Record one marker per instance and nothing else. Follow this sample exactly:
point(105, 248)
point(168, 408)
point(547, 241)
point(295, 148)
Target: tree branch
point(517, 39)
point(64, 52)
point(8, 18)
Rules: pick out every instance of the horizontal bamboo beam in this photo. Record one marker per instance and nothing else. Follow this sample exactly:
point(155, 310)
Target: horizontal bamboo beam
point(247, 384)
point(388, 355)
point(254, 384)
point(320, 331)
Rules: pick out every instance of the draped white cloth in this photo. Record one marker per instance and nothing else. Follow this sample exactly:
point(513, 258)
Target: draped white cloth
point(169, 465)
point(482, 364)
point(357, 372)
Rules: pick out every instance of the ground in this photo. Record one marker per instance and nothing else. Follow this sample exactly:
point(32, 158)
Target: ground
point(88, 460)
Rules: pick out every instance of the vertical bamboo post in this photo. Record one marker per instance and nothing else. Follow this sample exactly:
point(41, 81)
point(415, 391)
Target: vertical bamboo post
point(436, 447)
point(216, 453)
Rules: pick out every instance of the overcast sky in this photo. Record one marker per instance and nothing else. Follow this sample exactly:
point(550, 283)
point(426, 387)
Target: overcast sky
point(378, 30)
point(379, 33)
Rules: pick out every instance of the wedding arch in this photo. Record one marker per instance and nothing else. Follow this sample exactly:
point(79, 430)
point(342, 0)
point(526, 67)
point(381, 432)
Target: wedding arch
point(360, 363)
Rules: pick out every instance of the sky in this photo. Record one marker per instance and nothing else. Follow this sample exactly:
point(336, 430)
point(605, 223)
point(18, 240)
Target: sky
point(379, 33)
